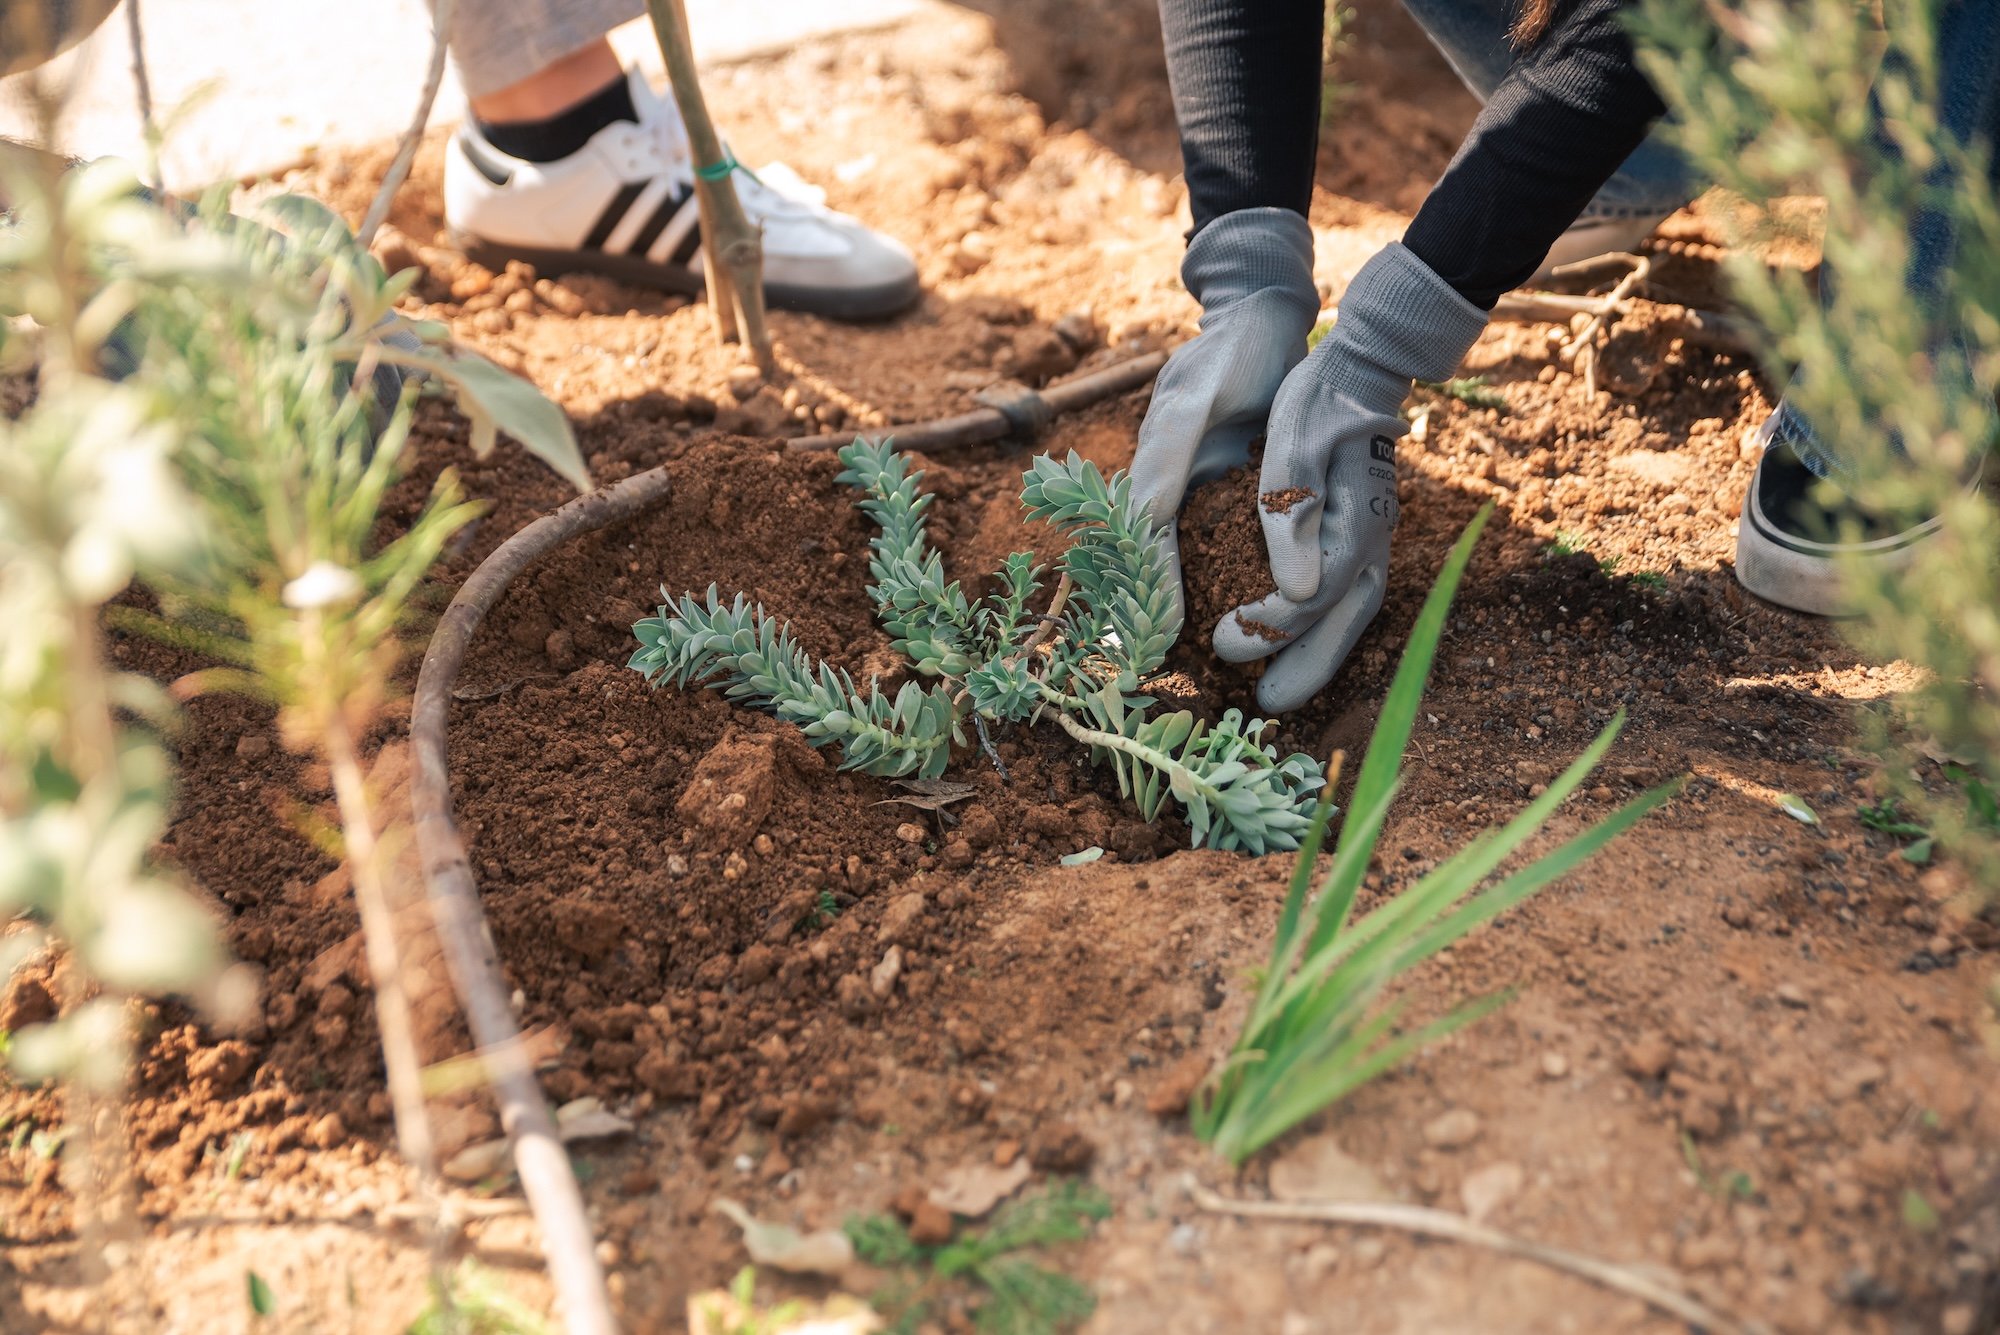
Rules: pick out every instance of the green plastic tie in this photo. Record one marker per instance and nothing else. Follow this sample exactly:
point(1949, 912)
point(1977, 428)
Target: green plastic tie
point(715, 171)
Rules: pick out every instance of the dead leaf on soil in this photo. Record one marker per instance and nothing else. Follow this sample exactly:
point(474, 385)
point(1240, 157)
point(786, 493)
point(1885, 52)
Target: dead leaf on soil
point(930, 794)
point(826, 1252)
point(586, 1119)
point(477, 1162)
point(974, 1191)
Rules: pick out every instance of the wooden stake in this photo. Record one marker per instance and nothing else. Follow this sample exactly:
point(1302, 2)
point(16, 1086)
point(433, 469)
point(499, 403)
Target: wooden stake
point(732, 249)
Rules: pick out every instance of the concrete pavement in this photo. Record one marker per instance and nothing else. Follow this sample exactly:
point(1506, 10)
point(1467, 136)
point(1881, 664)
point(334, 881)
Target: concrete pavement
point(248, 87)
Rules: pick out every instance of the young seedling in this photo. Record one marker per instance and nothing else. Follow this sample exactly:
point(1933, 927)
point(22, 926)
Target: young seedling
point(1318, 1029)
point(735, 1311)
point(87, 499)
point(1017, 1297)
point(1083, 662)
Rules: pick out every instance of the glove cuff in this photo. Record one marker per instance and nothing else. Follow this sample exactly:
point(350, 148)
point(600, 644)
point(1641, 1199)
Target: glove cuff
point(1399, 319)
point(1248, 251)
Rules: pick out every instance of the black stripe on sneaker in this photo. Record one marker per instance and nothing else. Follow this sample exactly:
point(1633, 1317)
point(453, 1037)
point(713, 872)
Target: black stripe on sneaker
point(476, 154)
point(684, 252)
point(614, 212)
point(657, 224)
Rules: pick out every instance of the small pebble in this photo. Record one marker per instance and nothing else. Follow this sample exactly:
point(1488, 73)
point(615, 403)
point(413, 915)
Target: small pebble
point(1554, 1065)
point(1648, 1057)
point(1453, 1130)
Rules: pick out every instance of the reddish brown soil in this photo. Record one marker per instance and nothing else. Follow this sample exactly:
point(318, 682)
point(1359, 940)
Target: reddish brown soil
point(1724, 992)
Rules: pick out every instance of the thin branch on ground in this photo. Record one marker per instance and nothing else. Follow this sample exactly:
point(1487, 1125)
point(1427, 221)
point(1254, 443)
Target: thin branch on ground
point(406, 152)
point(992, 751)
point(1051, 619)
point(1581, 349)
point(1630, 1280)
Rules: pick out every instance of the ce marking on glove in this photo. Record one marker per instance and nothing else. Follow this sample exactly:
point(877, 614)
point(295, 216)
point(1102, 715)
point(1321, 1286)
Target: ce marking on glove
point(1382, 507)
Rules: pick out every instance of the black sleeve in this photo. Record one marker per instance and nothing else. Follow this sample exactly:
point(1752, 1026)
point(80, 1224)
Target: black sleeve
point(1568, 113)
point(1246, 81)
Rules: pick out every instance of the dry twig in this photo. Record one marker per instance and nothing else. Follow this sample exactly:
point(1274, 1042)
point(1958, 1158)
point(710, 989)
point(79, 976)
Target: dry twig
point(1582, 345)
point(1451, 1227)
point(406, 152)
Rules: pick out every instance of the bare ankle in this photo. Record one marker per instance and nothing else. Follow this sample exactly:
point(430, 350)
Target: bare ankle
point(554, 88)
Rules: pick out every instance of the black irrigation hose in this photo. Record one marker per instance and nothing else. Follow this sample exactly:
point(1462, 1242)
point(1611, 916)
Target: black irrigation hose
point(539, 1157)
point(1013, 410)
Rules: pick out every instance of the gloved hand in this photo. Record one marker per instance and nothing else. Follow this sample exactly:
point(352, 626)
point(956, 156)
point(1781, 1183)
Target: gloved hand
point(1328, 487)
point(1252, 273)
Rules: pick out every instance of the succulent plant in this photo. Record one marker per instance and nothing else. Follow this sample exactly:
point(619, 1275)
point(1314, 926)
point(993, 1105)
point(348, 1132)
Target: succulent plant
point(991, 661)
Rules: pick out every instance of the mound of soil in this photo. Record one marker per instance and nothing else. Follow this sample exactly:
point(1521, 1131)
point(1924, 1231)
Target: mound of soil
point(1224, 563)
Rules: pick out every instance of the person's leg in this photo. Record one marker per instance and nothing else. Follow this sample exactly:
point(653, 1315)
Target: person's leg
point(570, 162)
point(1796, 515)
point(524, 53)
point(1653, 183)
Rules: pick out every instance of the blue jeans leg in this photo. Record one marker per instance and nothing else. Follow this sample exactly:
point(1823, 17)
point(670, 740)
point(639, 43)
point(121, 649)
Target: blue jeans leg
point(1472, 35)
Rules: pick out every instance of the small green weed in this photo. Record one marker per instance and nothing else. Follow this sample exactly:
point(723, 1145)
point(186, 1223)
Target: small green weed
point(1566, 543)
point(239, 1152)
point(1736, 1186)
point(1015, 1296)
point(1475, 391)
point(477, 1304)
point(262, 1301)
point(825, 908)
point(1650, 580)
point(734, 1312)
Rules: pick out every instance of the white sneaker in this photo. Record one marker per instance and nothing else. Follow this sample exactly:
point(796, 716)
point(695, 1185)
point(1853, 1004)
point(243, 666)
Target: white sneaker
point(624, 205)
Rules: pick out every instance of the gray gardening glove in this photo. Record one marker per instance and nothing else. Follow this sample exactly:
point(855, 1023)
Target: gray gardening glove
point(1252, 273)
point(1328, 488)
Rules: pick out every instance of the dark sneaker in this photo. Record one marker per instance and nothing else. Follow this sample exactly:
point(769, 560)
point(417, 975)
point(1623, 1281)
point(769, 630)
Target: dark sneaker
point(624, 205)
point(1795, 533)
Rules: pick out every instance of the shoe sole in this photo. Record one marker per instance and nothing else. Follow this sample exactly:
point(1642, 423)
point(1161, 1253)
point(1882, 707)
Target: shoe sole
point(851, 303)
point(1806, 576)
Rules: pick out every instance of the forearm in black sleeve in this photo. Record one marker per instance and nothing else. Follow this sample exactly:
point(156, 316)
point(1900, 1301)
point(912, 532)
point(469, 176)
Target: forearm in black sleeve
point(1558, 126)
point(1246, 83)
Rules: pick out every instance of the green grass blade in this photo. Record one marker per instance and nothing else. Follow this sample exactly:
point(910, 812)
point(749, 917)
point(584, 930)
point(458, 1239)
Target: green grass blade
point(1350, 865)
point(1333, 1081)
point(1408, 911)
point(1559, 862)
point(1384, 935)
point(1263, 1084)
point(1399, 716)
point(1302, 869)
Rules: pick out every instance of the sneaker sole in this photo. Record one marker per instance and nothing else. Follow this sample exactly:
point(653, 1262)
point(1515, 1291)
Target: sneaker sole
point(853, 303)
point(1805, 576)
